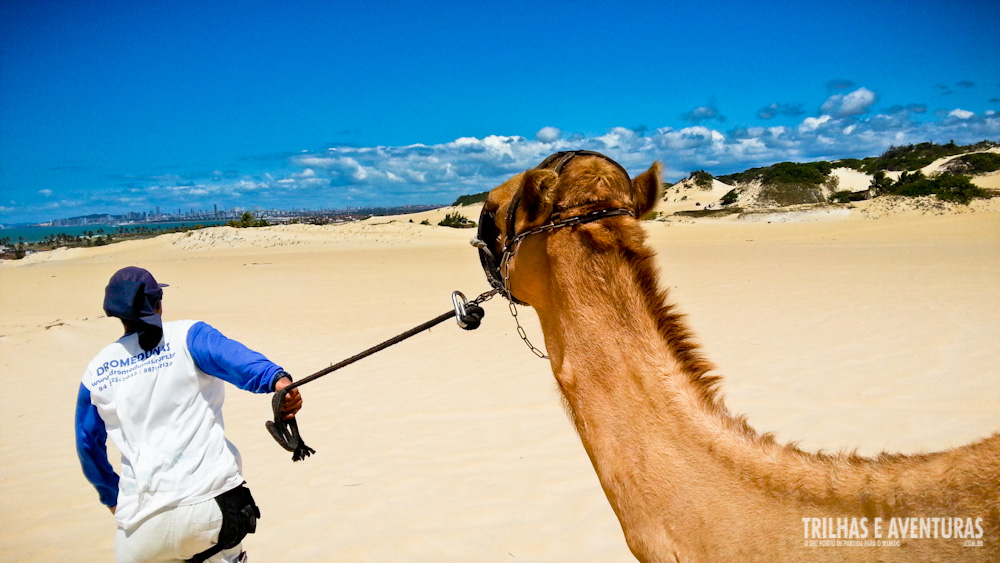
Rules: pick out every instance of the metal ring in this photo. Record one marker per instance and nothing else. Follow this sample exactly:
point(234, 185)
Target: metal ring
point(459, 307)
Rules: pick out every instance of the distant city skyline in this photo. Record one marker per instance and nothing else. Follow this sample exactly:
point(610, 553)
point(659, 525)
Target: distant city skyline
point(110, 223)
point(192, 214)
point(119, 106)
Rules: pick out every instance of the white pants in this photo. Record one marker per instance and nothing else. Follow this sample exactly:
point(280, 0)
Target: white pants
point(176, 535)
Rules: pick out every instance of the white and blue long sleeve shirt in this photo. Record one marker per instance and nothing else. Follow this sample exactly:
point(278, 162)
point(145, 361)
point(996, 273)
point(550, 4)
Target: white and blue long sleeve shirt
point(162, 409)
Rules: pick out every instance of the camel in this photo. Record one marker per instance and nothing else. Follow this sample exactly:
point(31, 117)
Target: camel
point(687, 480)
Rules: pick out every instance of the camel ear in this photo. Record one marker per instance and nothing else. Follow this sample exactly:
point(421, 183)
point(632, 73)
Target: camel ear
point(537, 191)
point(646, 187)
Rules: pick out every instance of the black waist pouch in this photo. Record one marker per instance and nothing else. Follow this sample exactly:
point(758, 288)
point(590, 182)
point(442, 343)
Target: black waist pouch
point(239, 516)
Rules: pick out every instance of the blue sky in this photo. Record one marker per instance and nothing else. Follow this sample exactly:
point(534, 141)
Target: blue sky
point(116, 106)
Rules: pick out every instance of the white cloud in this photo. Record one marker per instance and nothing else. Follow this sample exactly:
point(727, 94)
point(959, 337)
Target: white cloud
point(438, 173)
point(548, 134)
point(813, 123)
point(617, 137)
point(469, 164)
point(316, 161)
point(847, 105)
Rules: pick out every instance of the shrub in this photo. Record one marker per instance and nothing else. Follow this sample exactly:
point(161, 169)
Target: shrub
point(958, 189)
point(832, 183)
point(247, 220)
point(843, 196)
point(702, 179)
point(880, 183)
point(975, 163)
point(947, 187)
point(803, 173)
point(704, 213)
point(730, 197)
point(457, 221)
point(852, 163)
point(791, 194)
point(797, 173)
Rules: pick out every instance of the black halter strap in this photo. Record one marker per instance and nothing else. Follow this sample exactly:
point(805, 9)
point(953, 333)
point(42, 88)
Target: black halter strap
point(559, 160)
point(494, 258)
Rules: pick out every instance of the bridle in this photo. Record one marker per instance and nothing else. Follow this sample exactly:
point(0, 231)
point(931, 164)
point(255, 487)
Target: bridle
point(488, 236)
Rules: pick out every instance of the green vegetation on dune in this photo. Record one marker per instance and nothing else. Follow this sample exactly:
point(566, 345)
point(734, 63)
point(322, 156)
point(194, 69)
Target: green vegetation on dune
point(710, 213)
point(470, 199)
point(730, 197)
point(457, 221)
point(787, 183)
point(805, 173)
point(915, 157)
point(852, 163)
point(702, 179)
point(975, 163)
point(947, 187)
point(247, 220)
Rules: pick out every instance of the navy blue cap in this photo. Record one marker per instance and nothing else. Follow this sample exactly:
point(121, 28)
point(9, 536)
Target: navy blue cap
point(133, 295)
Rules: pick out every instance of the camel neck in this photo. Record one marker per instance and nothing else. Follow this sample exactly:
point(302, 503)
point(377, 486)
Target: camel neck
point(671, 460)
point(641, 419)
point(688, 481)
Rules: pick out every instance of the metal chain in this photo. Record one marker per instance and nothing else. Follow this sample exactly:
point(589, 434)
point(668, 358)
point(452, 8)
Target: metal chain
point(568, 222)
point(505, 268)
point(508, 253)
point(524, 335)
point(484, 297)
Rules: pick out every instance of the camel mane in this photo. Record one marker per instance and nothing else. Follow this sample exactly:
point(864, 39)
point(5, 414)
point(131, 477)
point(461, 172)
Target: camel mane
point(620, 236)
point(598, 183)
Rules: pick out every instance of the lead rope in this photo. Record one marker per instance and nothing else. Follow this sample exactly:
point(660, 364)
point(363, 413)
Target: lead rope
point(286, 431)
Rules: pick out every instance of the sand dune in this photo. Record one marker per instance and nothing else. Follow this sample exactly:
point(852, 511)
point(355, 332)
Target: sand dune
point(686, 195)
point(453, 446)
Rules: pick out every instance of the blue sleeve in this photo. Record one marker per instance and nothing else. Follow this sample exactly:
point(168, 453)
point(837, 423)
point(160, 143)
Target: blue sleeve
point(231, 361)
point(91, 440)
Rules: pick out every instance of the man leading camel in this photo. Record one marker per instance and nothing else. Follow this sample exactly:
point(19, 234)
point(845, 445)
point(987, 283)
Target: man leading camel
point(158, 393)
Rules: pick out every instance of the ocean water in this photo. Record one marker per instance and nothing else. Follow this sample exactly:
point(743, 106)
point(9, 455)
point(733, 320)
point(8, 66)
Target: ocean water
point(36, 234)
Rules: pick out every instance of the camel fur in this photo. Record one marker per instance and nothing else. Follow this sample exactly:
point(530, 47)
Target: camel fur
point(688, 480)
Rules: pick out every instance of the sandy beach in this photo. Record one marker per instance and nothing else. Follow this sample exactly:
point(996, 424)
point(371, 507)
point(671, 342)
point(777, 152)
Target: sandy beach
point(870, 331)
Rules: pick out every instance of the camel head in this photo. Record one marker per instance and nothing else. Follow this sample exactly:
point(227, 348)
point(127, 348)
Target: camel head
point(567, 190)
